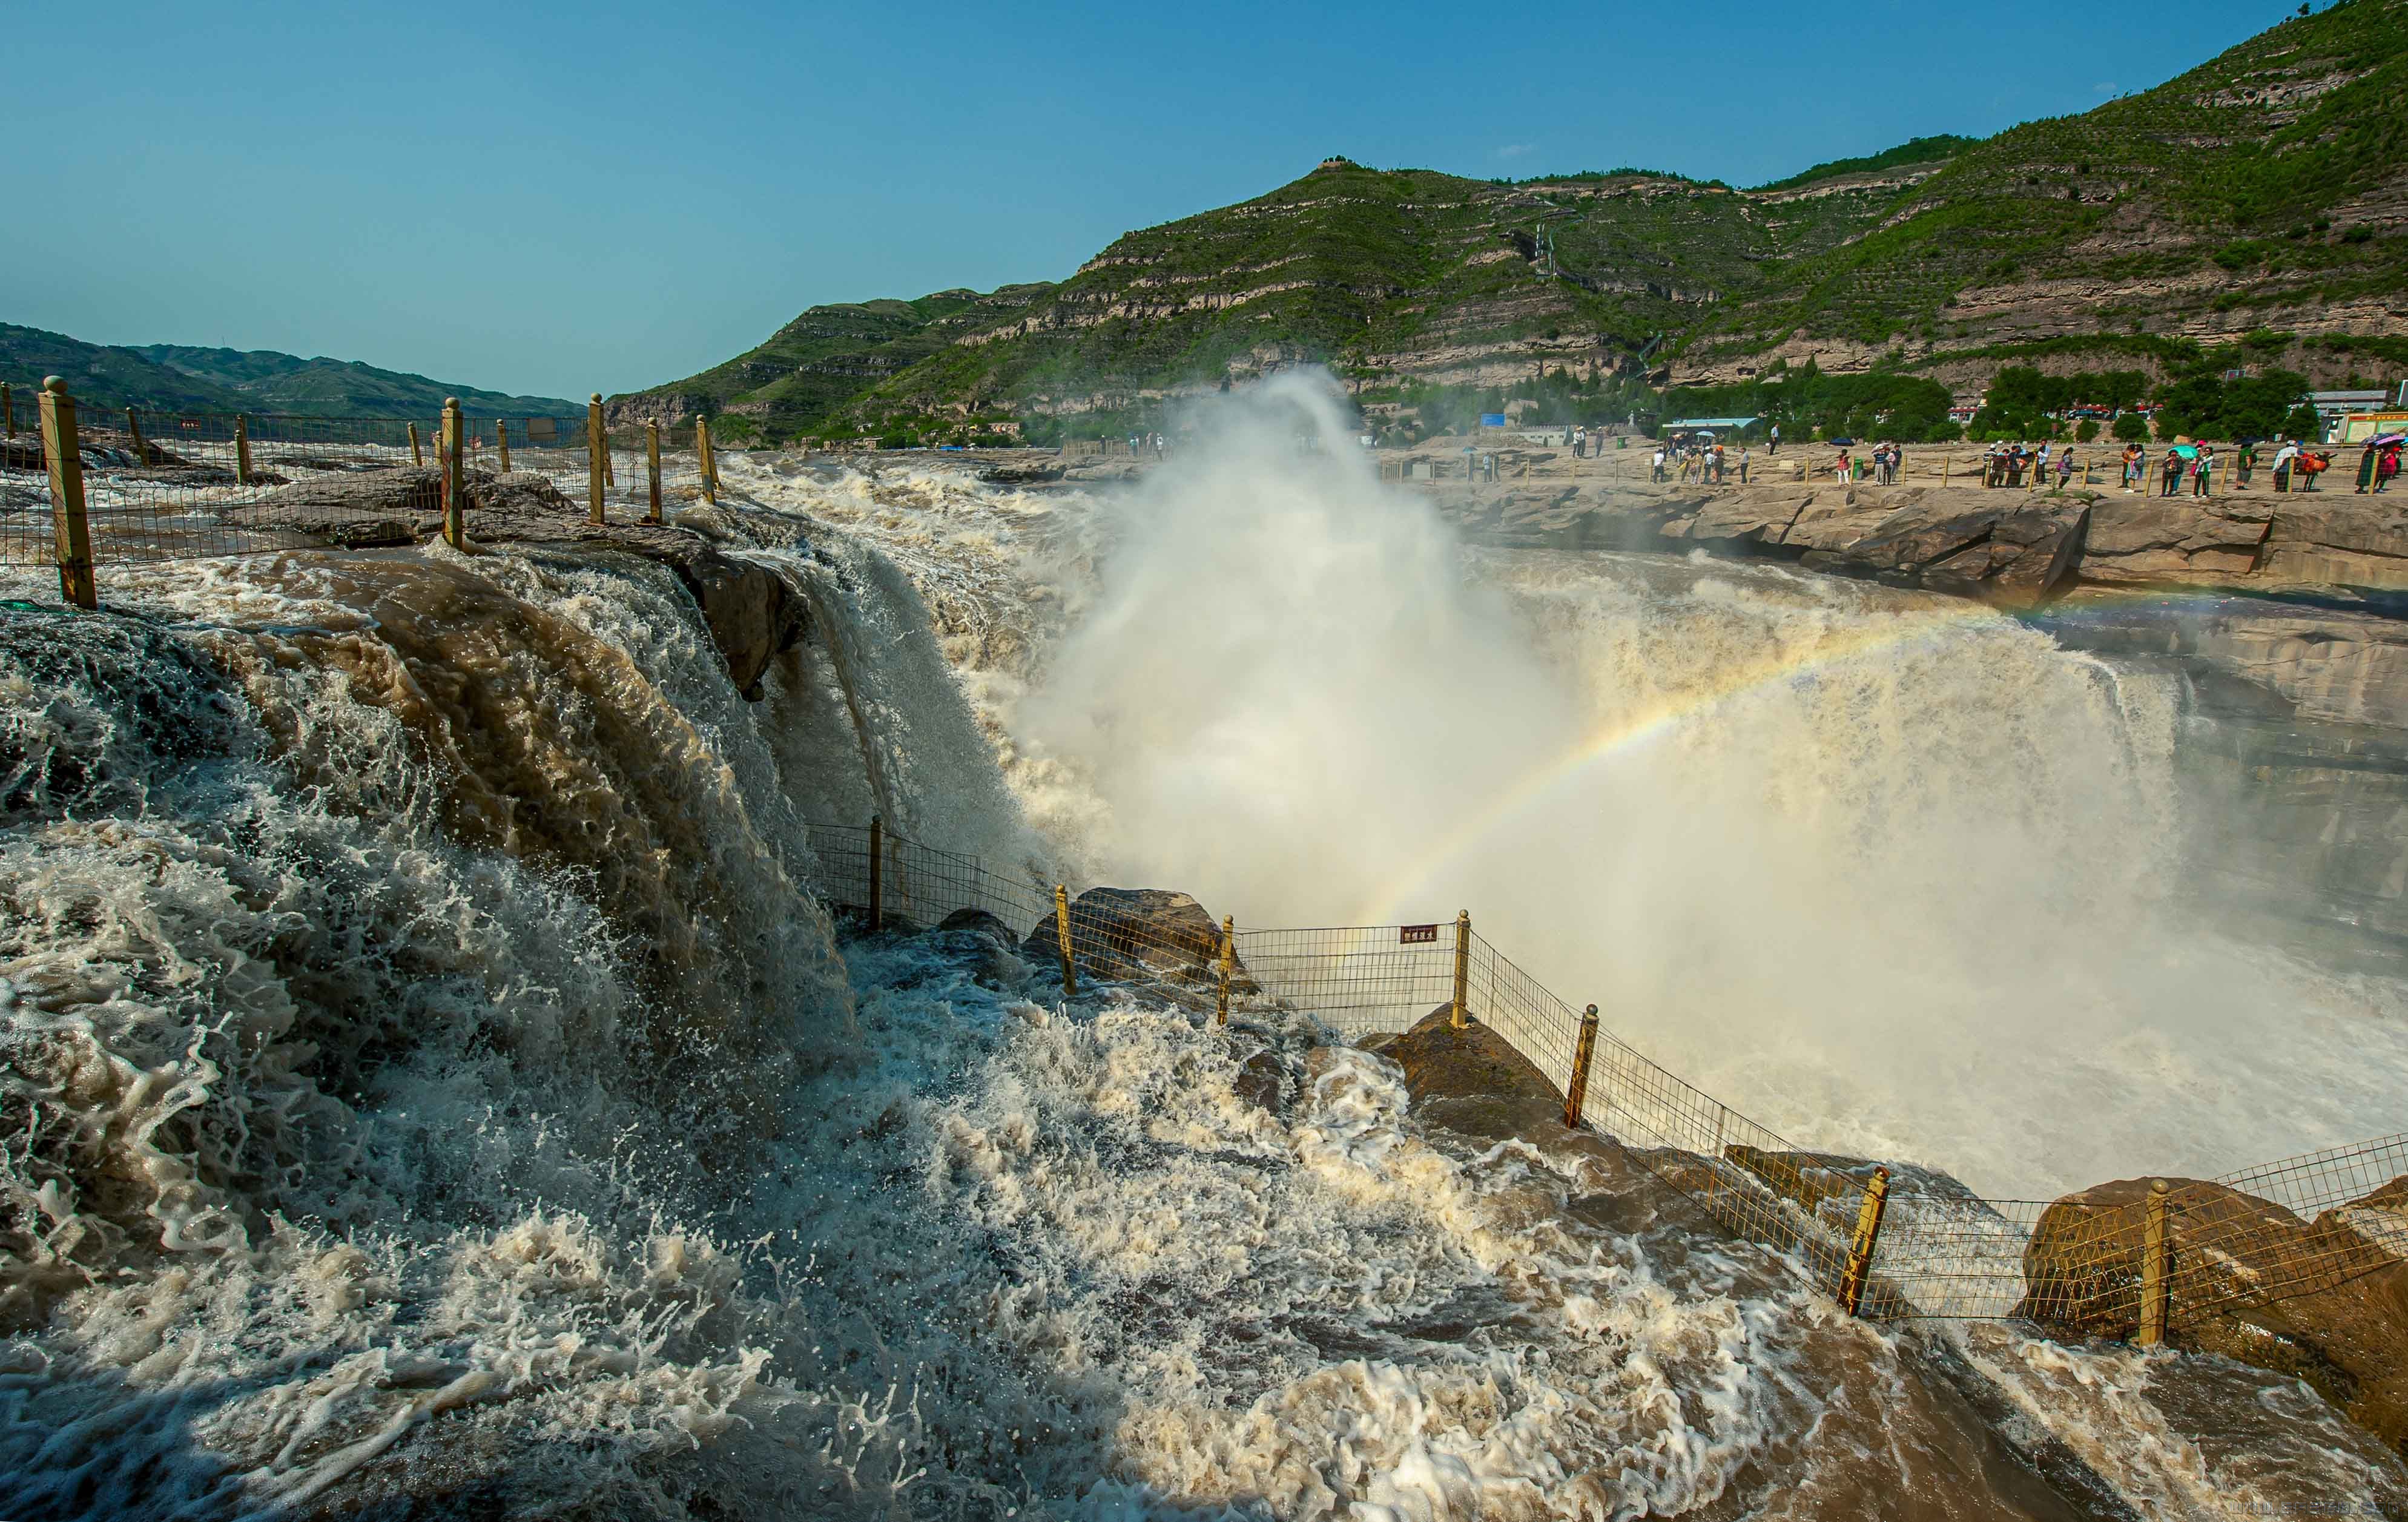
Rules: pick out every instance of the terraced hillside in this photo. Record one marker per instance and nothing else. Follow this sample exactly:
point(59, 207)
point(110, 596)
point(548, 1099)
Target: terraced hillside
point(2264, 193)
point(2267, 189)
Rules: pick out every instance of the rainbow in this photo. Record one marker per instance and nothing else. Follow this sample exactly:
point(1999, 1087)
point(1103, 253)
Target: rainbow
point(1632, 732)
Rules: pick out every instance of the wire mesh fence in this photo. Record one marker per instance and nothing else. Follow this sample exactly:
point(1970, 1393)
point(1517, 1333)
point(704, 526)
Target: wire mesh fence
point(1891, 1241)
point(148, 486)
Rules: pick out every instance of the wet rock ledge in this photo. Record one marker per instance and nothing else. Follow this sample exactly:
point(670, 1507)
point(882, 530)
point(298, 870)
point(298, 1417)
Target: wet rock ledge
point(752, 613)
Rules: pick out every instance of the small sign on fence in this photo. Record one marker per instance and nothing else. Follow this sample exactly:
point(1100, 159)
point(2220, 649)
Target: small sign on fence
point(1417, 935)
point(541, 428)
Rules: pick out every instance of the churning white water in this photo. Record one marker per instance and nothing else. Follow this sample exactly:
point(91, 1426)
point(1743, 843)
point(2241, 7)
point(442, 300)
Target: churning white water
point(429, 1086)
point(1896, 874)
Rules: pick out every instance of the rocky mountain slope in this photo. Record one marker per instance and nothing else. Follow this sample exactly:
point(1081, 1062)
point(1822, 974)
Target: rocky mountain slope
point(2262, 193)
point(177, 377)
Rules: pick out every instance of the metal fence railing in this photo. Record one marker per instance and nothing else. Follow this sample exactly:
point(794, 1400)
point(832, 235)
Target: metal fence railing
point(134, 485)
point(2127, 1262)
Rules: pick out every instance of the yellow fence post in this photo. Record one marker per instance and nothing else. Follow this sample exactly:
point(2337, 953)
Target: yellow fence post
point(1860, 1252)
point(69, 527)
point(2155, 1289)
point(1947, 463)
point(652, 472)
point(703, 459)
point(598, 451)
point(502, 443)
point(417, 454)
point(1228, 962)
point(1062, 935)
point(877, 874)
point(134, 427)
point(1462, 966)
point(455, 479)
point(1576, 1094)
point(242, 447)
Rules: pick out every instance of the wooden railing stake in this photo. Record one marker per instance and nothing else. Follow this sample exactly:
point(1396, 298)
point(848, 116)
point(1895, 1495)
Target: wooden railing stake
point(703, 459)
point(502, 443)
point(70, 529)
point(417, 454)
point(1462, 968)
point(141, 451)
point(455, 480)
point(1577, 1093)
point(1062, 935)
point(1861, 1251)
point(877, 874)
point(2155, 1283)
point(242, 447)
point(1228, 962)
point(597, 450)
point(652, 472)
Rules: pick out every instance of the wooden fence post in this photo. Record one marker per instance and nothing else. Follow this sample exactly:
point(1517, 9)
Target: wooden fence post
point(134, 427)
point(1062, 935)
point(456, 481)
point(1576, 1095)
point(709, 465)
point(70, 529)
point(652, 472)
point(598, 451)
point(1860, 1252)
point(8, 413)
point(877, 874)
point(1462, 966)
point(1228, 962)
point(417, 456)
point(502, 442)
point(242, 447)
point(2156, 1286)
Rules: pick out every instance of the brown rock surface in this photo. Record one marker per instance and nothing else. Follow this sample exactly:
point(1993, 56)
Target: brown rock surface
point(752, 612)
point(2322, 1302)
point(1130, 932)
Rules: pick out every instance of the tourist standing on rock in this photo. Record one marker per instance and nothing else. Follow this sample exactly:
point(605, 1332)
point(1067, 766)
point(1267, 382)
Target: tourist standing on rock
point(2203, 471)
point(2244, 463)
point(2366, 469)
point(2065, 469)
point(2040, 468)
point(2386, 467)
point(1742, 464)
point(2285, 459)
point(1656, 470)
point(1773, 440)
point(1843, 469)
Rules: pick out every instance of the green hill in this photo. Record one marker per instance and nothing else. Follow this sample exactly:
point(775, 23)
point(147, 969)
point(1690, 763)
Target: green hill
point(2262, 196)
point(174, 377)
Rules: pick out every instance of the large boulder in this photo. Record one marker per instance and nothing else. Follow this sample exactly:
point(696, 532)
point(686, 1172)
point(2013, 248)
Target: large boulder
point(1473, 1080)
point(2325, 1300)
point(1132, 933)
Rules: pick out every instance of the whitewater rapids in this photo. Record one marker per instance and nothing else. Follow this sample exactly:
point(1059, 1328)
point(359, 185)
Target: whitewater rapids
point(432, 1087)
point(1894, 874)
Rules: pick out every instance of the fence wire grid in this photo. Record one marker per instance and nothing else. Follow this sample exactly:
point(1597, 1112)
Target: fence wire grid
point(2321, 1224)
point(164, 486)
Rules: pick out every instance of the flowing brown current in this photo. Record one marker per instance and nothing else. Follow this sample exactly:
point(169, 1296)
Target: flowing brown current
point(431, 1088)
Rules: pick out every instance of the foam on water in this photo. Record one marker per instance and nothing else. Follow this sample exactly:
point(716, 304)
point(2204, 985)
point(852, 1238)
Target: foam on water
point(1899, 877)
point(430, 1083)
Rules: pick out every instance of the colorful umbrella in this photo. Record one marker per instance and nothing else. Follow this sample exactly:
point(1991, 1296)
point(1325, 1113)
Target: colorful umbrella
point(2380, 441)
point(2188, 452)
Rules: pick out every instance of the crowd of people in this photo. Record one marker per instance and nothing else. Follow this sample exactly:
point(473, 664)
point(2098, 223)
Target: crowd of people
point(1705, 462)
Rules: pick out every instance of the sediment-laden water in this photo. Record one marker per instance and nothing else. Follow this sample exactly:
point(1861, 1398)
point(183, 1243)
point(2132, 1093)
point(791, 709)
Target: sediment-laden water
point(431, 1088)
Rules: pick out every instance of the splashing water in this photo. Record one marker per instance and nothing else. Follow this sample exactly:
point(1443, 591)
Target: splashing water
point(1896, 874)
point(430, 1085)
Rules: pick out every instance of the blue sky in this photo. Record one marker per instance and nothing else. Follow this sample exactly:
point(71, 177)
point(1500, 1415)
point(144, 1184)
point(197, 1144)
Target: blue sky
point(556, 199)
